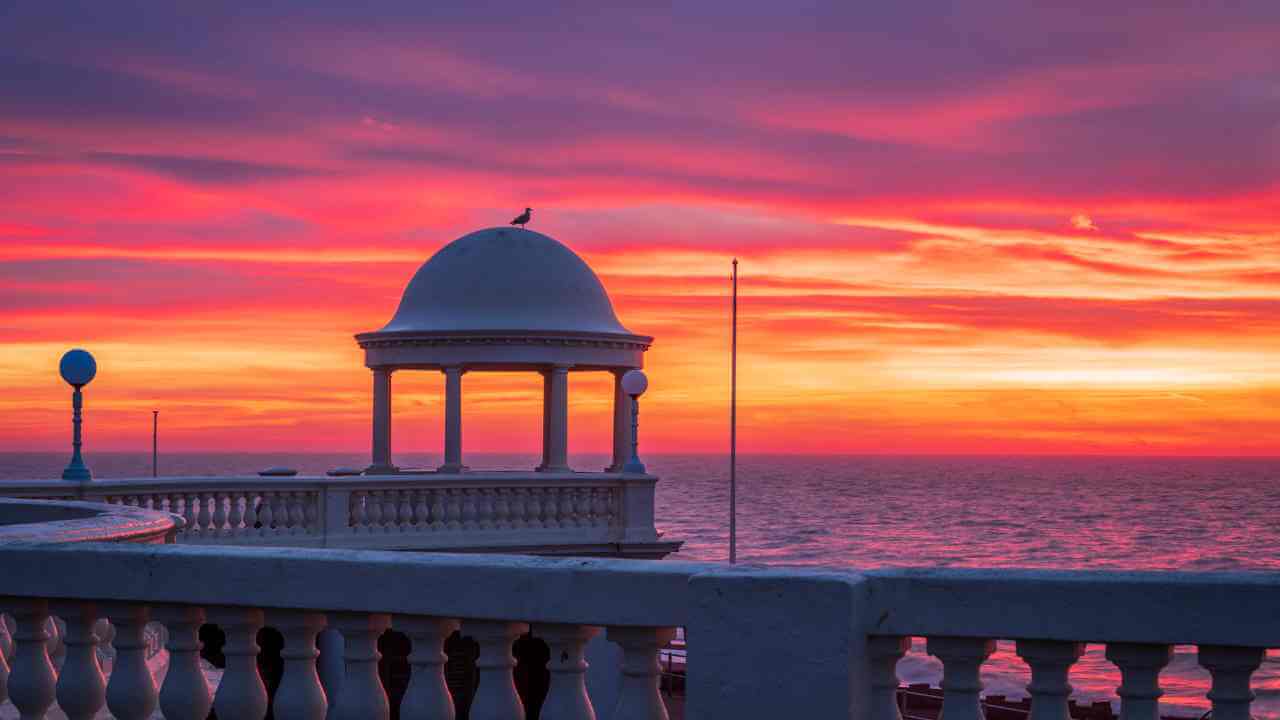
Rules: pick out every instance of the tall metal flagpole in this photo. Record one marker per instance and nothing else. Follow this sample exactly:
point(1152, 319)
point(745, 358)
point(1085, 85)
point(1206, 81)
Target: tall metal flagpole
point(733, 427)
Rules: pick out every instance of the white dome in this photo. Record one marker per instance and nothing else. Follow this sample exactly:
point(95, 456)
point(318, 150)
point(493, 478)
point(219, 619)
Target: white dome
point(505, 279)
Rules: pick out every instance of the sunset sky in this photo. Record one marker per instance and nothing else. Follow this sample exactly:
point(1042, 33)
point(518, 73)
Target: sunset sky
point(985, 228)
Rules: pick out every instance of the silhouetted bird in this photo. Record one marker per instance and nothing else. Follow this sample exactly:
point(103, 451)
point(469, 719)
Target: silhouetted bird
point(523, 218)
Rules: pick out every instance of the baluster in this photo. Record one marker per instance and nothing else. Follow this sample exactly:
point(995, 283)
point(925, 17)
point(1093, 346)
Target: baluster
point(219, 514)
point(496, 697)
point(962, 660)
point(297, 515)
point(280, 512)
point(533, 509)
point(131, 691)
point(204, 518)
point(437, 509)
point(191, 513)
point(582, 502)
point(454, 512)
point(82, 690)
point(389, 511)
point(639, 697)
point(567, 697)
point(175, 507)
point(6, 652)
point(265, 515)
point(1140, 667)
point(486, 510)
point(884, 652)
point(300, 695)
point(1050, 663)
point(600, 507)
point(501, 509)
point(358, 515)
point(250, 514)
point(405, 510)
point(362, 696)
point(427, 697)
point(468, 510)
point(551, 508)
point(1231, 668)
point(568, 508)
point(518, 509)
point(32, 680)
point(185, 694)
point(421, 510)
point(241, 694)
point(373, 510)
point(235, 515)
point(312, 513)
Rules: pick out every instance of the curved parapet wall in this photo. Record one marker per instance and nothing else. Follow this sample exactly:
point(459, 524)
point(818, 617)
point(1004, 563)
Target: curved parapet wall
point(48, 521)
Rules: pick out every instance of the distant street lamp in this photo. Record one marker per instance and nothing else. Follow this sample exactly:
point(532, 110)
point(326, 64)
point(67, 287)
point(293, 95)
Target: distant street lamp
point(634, 383)
point(77, 368)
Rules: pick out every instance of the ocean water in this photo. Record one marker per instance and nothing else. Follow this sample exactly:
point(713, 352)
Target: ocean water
point(869, 512)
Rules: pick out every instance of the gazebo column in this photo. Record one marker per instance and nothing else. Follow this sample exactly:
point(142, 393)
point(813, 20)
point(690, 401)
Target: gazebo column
point(546, 420)
point(381, 422)
point(452, 420)
point(621, 423)
point(556, 412)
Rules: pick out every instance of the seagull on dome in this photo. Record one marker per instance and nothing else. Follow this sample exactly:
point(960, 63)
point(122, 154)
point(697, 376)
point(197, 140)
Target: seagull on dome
point(523, 218)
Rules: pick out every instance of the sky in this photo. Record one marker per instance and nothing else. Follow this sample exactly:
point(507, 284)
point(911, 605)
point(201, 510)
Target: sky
point(981, 227)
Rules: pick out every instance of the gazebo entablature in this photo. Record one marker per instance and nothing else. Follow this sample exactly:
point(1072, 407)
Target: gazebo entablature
point(551, 354)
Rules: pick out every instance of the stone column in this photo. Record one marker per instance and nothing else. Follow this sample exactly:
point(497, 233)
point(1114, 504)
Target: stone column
point(381, 422)
point(546, 419)
point(452, 420)
point(621, 424)
point(556, 397)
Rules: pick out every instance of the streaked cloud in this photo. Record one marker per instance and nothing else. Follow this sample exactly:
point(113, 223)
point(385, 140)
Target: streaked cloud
point(1006, 227)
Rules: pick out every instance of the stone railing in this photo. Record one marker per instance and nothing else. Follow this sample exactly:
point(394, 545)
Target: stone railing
point(762, 643)
point(547, 513)
point(46, 521)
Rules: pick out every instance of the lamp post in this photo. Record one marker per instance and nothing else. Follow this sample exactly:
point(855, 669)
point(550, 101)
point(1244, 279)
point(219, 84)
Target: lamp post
point(634, 383)
point(77, 368)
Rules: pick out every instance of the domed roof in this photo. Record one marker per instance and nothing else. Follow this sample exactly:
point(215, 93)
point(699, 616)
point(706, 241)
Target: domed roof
point(504, 280)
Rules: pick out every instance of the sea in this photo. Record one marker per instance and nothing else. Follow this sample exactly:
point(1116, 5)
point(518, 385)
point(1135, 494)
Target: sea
point(861, 512)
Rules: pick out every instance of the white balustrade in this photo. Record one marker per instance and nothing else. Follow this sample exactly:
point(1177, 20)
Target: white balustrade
point(32, 679)
point(427, 697)
point(362, 696)
point(1140, 667)
point(496, 697)
point(131, 691)
point(300, 695)
point(241, 693)
point(82, 689)
point(1231, 668)
point(567, 698)
point(962, 660)
point(639, 697)
point(883, 654)
point(185, 694)
point(816, 643)
point(1050, 663)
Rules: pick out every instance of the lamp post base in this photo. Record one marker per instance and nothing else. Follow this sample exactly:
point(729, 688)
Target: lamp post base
point(77, 472)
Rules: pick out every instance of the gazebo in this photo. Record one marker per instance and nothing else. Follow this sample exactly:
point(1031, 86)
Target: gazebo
point(504, 300)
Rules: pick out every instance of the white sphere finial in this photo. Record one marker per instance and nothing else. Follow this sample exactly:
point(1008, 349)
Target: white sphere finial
point(634, 383)
point(78, 367)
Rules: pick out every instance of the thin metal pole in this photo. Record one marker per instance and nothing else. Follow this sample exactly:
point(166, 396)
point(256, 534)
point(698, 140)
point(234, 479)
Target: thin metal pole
point(155, 441)
point(733, 427)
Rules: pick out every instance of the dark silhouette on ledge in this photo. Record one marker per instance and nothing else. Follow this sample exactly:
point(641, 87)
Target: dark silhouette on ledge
point(523, 218)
